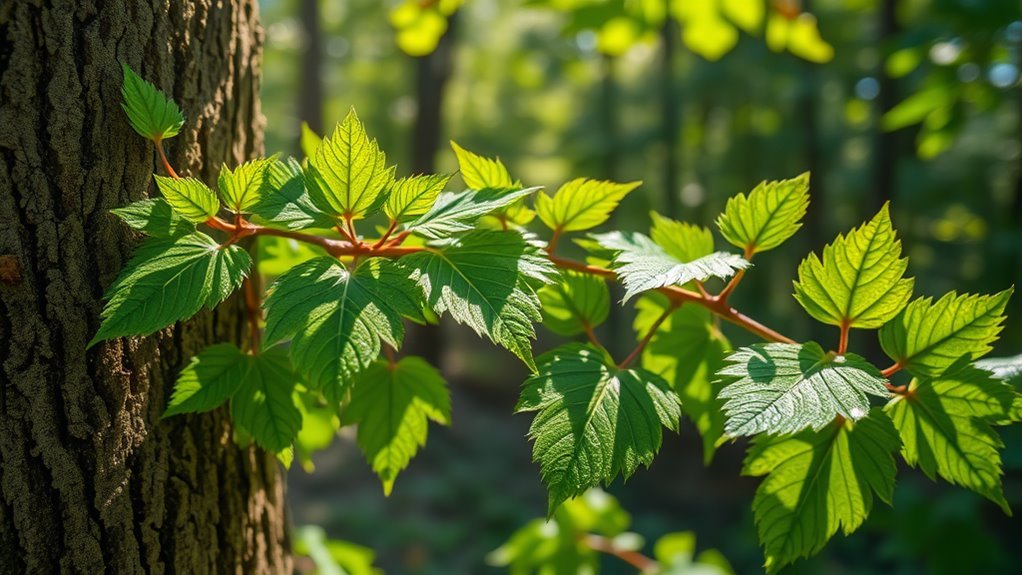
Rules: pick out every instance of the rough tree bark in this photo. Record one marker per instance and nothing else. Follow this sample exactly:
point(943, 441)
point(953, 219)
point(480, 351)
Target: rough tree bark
point(91, 480)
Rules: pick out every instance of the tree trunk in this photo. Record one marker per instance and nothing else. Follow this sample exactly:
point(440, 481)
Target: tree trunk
point(91, 480)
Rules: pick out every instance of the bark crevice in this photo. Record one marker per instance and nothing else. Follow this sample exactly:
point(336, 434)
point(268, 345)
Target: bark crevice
point(91, 479)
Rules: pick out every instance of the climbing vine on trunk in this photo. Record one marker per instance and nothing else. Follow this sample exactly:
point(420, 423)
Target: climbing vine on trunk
point(827, 423)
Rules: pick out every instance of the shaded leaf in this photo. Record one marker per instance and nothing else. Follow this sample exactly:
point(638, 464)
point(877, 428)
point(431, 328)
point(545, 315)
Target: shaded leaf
point(594, 421)
point(151, 113)
point(945, 424)
point(483, 280)
point(575, 302)
point(818, 483)
point(264, 405)
point(285, 202)
point(391, 405)
point(927, 338)
point(687, 351)
point(336, 319)
point(209, 379)
point(170, 279)
point(155, 217)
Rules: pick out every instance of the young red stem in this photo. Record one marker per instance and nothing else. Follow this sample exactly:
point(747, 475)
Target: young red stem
point(551, 246)
point(163, 158)
point(633, 558)
point(352, 234)
point(254, 315)
point(842, 345)
point(892, 370)
point(590, 334)
point(649, 336)
point(336, 248)
point(731, 285)
point(386, 234)
point(680, 295)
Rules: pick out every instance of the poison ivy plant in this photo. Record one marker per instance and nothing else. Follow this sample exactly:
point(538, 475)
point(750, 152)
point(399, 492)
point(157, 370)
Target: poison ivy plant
point(826, 422)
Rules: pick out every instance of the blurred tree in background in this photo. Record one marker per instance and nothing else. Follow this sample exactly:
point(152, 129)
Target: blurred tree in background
point(915, 101)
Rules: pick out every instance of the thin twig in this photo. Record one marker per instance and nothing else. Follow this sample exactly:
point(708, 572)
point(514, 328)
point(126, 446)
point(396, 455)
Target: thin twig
point(590, 334)
point(633, 558)
point(680, 295)
point(254, 315)
point(649, 336)
point(163, 158)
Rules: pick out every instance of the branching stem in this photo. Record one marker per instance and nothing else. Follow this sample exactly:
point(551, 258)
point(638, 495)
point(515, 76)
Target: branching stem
point(649, 336)
point(681, 295)
point(633, 558)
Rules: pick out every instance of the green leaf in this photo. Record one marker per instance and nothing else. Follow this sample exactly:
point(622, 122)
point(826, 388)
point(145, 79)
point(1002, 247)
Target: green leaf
point(170, 279)
point(413, 196)
point(945, 424)
point(285, 203)
point(769, 215)
point(332, 556)
point(391, 405)
point(189, 197)
point(682, 241)
point(859, 280)
point(1008, 369)
point(242, 187)
point(594, 421)
point(209, 380)
point(277, 255)
point(310, 141)
point(581, 204)
point(687, 350)
point(458, 212)
point(483, 280)
point(348, 175)
point(481, 173)
point(818, 483)
point(155, 217)
point(558, 546)
point(575, 303)
point(336, 318)
point(264, 405)
point(642, 265)
point(151, 113)
point(781, 388)
point(927, 338)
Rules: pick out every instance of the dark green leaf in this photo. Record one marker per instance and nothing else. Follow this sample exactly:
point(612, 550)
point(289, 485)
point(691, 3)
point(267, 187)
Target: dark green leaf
point(170, 279)
point(594, 421)
point(155, 217)
point(483, 280)
point(151, 113)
